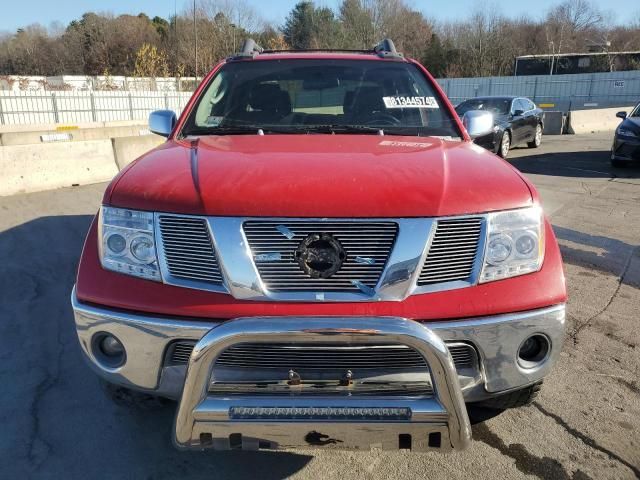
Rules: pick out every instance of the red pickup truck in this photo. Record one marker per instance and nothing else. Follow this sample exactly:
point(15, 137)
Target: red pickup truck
point(320, 256)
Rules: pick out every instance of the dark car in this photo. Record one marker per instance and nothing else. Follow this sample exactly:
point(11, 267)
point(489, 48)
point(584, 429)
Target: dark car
point(516, 120)
point(626, 141)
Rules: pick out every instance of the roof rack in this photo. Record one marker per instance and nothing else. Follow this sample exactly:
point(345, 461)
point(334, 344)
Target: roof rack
point(249, 49)
point(384, 49)
point(387, 49)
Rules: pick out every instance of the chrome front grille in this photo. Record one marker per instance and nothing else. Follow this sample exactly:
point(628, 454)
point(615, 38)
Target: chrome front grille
point(453, 251)
point(248, 355)
point(295, 259)
point(367, 245)
point(269, 356)
point(188, 249)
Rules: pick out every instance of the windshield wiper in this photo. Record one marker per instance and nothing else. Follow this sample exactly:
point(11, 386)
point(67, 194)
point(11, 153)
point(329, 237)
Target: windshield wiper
point(331, 128)
point(225, 130)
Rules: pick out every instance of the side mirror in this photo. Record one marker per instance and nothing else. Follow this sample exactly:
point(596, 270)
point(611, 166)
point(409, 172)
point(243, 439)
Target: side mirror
point(518, 113)
point(621, 115)
point(162, 122)
point(478, 123)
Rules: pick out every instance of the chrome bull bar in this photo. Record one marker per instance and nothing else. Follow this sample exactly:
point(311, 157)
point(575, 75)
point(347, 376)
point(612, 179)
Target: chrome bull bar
point(420, 423)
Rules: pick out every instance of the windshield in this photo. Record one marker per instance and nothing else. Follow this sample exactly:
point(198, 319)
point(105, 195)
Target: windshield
point(501, 106)
point(320, 96)
point(636, 111)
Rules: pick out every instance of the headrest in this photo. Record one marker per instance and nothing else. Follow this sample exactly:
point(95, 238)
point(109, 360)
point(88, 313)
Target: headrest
point(367, 100)
point(269, 97)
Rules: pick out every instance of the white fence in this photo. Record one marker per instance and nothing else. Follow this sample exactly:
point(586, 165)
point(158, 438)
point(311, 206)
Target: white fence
point(79, 107)
point(68, 83)
point(36, 105)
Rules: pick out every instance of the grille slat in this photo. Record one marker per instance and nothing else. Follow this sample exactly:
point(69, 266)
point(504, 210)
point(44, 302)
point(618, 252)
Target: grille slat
point(280, 356)
point(271, 356)
point(453, 251)
point(188, 249)
point(359, 239)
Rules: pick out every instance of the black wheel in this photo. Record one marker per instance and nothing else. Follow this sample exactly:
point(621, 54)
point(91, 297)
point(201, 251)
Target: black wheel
point(537, 139)
point(505, 145)
point(518, 398)
point(617, 163)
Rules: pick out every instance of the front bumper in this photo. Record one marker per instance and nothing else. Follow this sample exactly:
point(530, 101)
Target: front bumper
point(625, 149)
point(205, 421)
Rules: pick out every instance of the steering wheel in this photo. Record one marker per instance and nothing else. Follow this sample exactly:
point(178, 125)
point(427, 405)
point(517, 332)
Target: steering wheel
point(382, 119)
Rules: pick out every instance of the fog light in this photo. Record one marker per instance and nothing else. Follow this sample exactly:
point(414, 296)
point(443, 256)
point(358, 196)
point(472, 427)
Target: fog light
point(108, 350)
point(533, 351)
point(111, 347)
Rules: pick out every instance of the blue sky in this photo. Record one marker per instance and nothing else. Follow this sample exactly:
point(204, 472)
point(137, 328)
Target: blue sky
point(15, 14)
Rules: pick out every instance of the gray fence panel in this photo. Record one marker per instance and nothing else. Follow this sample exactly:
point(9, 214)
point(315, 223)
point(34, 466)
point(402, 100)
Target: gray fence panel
point(560, 92)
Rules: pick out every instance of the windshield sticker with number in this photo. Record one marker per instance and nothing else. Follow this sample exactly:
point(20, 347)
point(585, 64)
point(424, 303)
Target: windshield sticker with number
point(410, 102)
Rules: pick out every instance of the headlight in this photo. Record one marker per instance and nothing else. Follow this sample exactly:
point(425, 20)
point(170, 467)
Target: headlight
point(126, 242)
point(623, 132)
point(515, 244)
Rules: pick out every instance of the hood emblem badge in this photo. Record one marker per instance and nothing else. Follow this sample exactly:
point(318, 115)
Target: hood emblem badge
point(320, 255)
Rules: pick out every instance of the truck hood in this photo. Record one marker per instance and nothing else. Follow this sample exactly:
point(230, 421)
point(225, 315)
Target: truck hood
point(319, 176)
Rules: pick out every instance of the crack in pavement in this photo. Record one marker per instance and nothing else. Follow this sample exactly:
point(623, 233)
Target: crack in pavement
point(580, 326)
point(526, 462)
point(585, 438)
point(38, 449)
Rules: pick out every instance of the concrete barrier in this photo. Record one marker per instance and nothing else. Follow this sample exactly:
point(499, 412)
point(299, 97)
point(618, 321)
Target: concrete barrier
point(127, 149)
point(72, 135)
point(32, 168)
point(553, 123)
point(39, 127)
point(596, 120)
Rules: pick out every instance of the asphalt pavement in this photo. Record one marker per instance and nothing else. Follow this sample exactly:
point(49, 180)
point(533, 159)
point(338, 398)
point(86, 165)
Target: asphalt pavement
point(58, 421)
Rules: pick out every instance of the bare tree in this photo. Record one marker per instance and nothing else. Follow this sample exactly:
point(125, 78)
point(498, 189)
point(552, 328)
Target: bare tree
point(569, 24)
point(482, 43)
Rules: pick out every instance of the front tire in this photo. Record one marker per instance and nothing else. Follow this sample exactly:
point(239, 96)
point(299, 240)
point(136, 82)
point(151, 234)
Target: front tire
point(537, 139)
point(617, 163)
point(505, 144)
